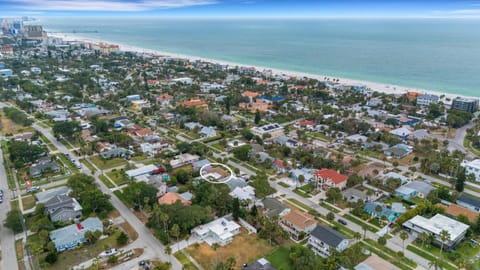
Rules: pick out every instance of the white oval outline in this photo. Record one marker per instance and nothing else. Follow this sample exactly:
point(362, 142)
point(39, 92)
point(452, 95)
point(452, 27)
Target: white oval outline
point(216, 163)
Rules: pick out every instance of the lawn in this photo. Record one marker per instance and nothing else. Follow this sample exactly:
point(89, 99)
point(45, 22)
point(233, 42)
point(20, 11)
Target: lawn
point(128, 229)
point(280, 258)
point(9, 127)
point(302, 193)
point(118, 176)
point(329, 207)
point(140, 157)
point(28, 202)
point(88, 165)
point(67, 163)
point(105, 164)
point(244, 248)
point(107, 182)
point(19, 249)
point(187, 264)
point(300, 204)
point(360, 222)
point(427, 256)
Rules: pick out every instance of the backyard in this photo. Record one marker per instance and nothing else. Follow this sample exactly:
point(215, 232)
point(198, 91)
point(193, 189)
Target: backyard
point(244, 248)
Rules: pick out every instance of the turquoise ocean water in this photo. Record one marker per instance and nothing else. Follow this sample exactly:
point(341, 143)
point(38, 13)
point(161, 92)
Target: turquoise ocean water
point(434, 54)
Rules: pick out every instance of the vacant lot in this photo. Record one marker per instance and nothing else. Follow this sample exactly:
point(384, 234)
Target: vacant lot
point(244, 248)
point(104, 164)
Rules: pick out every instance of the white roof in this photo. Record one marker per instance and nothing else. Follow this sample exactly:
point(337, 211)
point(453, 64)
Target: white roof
point(142, 170)
point(221, 227)
point(243, 193)
point(438, 223)
point(403, 131)
point(474, 163)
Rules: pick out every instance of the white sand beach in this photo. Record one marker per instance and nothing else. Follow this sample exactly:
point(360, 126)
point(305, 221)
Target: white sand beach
point(374, 86)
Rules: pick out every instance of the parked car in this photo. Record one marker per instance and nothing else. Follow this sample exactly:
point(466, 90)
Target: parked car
point(32, 189)
point(1, 193)
point(109, 252)
point(1, 199)
point(343, 222)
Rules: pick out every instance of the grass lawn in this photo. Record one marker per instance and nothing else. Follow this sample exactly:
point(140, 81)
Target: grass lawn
point(283, 185)
point(9, 127)
point(106, 181)
point(360, 222)
point(301, 193)
point(329, 207)
point(70, 258)
point(117, 176)
point(280, 258)
point(19, 249)
point(427, 256)
point(128, 229)
point(187, 264)
point(140, 158)
point(67, 163)
point(88, 165)
point(28, 202)
point(104, 164)
point(244, 248)
point(302, 205)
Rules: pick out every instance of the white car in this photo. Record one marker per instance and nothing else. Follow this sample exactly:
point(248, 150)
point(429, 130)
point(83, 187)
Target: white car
point(109, 252)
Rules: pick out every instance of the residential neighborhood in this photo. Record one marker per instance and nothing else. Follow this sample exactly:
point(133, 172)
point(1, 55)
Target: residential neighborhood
point(189, 164)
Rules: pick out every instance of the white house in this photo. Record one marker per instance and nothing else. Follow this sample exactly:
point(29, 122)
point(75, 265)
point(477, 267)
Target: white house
point(427, 99)
point(472, 167)
point(246, 193)
point(324, 239)
point(434, 225)
point(220, 231)
point(183, 159)
point(275, 130)
point(141, 171)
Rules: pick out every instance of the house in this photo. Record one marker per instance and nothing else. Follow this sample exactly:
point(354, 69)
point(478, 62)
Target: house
point(114, 153)
point(45, 164)
point(372, 208)
point(273, 130)
point(469, 202)
point(323, 239)
point(45, 196)
point(297, 223)
point(401, 132)
point(420, 134)
point(183, 159)
point(192, 125)
point(153, 148)
point(398, 151)
point(355, 195)
point(63, 208)
point(327, 178)
point(356, 138)
point(172, 198)
point(286, 141)
point(207, 132)
point(246, 193)
point(280, 166)
point(164, 99)
point(220, 231)
point(373, 262)
point(250, 95)
point(71, 236)
point(472, 167)
point(307, 174)
point(145, 170)
point(260, 264)
point(394, 175)
point(414, 188)
point(273, 207)
point(197, 165)
point(435, 225)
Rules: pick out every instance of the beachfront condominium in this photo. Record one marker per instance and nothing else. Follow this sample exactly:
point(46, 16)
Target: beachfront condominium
point(465, 104)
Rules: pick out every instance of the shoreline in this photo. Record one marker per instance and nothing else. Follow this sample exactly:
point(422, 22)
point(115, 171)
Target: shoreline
point(373, 86)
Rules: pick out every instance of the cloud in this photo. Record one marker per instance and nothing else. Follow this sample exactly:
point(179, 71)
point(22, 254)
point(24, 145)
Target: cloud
point(472, 12)
point(105, 5)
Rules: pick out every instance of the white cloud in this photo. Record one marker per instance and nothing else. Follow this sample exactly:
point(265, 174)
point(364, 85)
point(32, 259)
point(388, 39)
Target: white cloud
point(105, 5)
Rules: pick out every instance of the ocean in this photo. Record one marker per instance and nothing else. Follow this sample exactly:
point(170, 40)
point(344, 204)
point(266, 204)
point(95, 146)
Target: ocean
point(441, 55)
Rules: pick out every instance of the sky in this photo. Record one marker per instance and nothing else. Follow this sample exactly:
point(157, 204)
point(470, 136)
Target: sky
point(243, 8)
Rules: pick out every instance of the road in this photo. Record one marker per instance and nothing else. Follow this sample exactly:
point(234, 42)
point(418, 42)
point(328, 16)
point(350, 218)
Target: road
point(7, 238)
point(153, 248)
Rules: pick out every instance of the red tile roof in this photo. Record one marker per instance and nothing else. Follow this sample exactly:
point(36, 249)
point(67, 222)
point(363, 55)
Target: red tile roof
point(163, 97)
point(193, 103)
point(171, 198)
point(333, 175)
point(250, 94)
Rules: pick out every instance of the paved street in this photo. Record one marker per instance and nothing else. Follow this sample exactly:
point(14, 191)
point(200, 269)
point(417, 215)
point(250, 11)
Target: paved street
point(7, 241)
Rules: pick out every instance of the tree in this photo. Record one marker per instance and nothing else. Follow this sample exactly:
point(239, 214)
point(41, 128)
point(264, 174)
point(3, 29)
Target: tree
point(262, 186)
point(92, 237)
point(183, 176)
point(229, 264)
point(168, 251)
point(330, 216)
point(424, 237)
point(236, 211)
point(140, 194)
point(403, 236)
point(364, 228)
point(51, 257)
point(461, 177)
point(444, 237)
point(357, 236)
point(382, 240)
point(175, 231)
point(334, 194)
point(257, 117)
point(241, 152)
point(14, 220)
point(66, 129)
point(122, 239)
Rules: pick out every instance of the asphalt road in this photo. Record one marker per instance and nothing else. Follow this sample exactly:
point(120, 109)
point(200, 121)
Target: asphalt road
point(7, 240)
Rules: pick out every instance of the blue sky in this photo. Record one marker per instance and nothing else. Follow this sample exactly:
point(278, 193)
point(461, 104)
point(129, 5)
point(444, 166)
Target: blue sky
point(244, 8)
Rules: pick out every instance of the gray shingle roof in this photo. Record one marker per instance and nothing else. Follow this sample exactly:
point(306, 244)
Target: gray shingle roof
point(469, 200)
point(327, 235)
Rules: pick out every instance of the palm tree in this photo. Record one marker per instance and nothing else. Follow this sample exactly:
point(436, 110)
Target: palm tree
point(403, 236)
point(435, 264)
point(364, 227)
point(444, 236)
point(357, 236)
point(424, 238)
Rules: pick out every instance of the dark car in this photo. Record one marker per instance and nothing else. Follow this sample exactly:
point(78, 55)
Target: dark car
point(341, 221)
